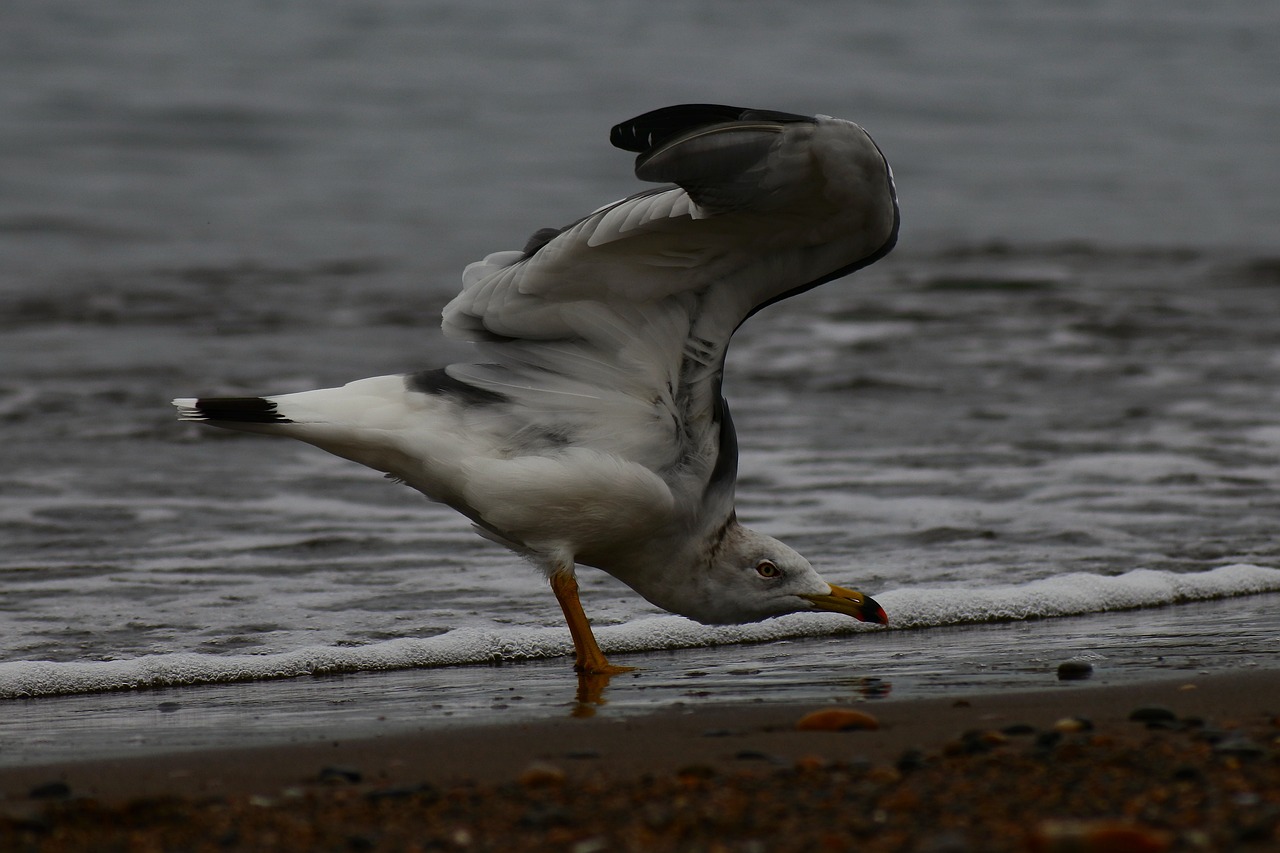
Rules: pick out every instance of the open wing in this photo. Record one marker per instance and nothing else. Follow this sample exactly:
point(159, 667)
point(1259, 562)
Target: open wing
point(612, 331)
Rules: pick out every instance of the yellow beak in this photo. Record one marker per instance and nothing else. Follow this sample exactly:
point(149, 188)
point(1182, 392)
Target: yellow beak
point(851, 603)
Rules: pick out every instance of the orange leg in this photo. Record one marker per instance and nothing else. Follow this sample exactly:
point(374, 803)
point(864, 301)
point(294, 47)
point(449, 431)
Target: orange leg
point(590, 659)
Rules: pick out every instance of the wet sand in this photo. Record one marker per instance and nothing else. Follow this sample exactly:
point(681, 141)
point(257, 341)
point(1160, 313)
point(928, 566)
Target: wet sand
point(1059, 769)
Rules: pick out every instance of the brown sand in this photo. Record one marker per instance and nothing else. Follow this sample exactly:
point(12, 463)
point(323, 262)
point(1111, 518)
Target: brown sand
point(988, 772)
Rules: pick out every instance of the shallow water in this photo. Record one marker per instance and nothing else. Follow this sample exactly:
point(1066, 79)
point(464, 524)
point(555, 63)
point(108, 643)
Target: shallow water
point(1168, 642)
point(1068, 366)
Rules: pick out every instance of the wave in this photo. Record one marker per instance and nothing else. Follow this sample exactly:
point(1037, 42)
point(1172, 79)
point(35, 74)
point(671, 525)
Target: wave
point(910, 608)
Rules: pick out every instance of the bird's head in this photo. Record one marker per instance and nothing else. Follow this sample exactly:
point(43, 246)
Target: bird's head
point(750, 576)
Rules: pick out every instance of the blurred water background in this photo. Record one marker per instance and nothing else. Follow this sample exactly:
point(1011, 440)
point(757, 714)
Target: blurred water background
point(1058, 395)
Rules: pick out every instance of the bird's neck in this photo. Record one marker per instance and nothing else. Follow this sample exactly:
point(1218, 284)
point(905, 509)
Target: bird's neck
point(672, 571)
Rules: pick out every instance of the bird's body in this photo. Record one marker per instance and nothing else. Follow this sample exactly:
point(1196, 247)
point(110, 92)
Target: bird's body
point(594, 431)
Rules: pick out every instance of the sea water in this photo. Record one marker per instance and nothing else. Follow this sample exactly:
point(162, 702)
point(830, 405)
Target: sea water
point(1057, 398)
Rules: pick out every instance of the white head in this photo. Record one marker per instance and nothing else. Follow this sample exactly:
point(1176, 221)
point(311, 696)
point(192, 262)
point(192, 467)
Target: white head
point(745, 576)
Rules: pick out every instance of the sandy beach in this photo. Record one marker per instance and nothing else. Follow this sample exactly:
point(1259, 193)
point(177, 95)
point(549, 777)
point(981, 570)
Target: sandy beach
point(1191, 763)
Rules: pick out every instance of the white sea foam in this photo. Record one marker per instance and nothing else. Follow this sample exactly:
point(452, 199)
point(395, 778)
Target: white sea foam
point(1064, 595)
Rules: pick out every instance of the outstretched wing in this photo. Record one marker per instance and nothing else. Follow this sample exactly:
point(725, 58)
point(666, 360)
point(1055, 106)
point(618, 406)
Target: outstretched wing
point(611, 332)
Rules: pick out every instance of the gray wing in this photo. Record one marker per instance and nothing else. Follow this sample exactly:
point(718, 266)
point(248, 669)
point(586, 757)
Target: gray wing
point(612, 331)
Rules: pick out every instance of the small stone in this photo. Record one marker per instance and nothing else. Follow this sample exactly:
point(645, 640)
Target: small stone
point(1070, 725)
point(974, 742)
point(50, 791)
point(541, 774)
point(837, 720)
point(1017, 729)
point(1046, 741)
point(1152, 714)
point(595, 844)
point(912, 760)
point(168, 707)
point(1211, 734)
point(693, 772)
point(1239, 746)
point(1074, 670)
point(334, 775)
point(992, 738)
point(884, 774)
point(1098, 836)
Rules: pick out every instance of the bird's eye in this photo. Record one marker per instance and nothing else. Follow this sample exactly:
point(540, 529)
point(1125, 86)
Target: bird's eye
point(768, 569)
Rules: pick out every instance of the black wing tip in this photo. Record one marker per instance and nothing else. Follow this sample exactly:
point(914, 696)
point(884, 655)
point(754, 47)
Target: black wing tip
point(245, 410)
point(651, 129)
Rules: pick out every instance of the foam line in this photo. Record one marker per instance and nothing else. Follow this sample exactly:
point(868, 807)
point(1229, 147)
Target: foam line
point(1064, 595)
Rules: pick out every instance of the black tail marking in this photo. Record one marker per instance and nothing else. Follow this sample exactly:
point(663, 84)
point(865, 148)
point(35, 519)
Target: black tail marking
point(250, 410)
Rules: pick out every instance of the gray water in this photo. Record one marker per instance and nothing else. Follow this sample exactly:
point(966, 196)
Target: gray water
point(1068, 366)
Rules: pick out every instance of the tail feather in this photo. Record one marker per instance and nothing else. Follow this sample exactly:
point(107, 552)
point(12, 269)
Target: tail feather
point(240, 410)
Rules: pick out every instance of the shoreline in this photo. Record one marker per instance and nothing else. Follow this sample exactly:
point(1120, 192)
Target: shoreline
point(961, 739)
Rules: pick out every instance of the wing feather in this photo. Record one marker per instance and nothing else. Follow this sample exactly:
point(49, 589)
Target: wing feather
point(616, 326)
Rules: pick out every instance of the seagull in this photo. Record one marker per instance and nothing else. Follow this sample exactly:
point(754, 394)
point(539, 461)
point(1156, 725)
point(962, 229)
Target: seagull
point(593, 431)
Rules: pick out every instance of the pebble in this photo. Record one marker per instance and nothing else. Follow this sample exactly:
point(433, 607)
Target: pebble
point(696, 772)
point(541, 774)
point(333, 775)
point(837, 720)
point(883, 774)
point(1240, 746)
point(595, 844)
point(1070, 725)
point(1152, 714)
point(975, 742)
point(1098, 836)
point(1046, 741)
point(1074, 670)
point(50, 791)
point(1211, 734)
point(911, 760)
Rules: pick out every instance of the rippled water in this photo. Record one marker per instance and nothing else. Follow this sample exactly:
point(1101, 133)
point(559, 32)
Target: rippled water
point(1069, 366)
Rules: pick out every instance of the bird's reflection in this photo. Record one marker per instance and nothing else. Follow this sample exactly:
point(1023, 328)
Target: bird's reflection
point(590, 693)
